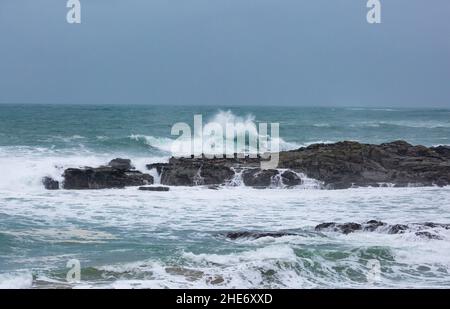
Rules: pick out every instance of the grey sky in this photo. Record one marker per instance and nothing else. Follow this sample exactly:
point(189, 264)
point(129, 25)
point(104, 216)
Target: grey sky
point(223, 52)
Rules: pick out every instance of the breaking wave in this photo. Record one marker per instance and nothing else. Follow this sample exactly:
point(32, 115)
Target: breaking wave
point(216, 142)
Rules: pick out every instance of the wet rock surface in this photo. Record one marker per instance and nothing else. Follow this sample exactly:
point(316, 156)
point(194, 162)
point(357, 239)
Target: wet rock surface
point(420, 229)
point(121, 164)
point(427, 230)
point(157, 189)
point(442, 151)
point(258, 178)
point(256, 235)
point(193, 172)
point(50, 184)
point(290, 179)
point(115, 175)
point(339, 166)
point(345, 228)
point(346, 164)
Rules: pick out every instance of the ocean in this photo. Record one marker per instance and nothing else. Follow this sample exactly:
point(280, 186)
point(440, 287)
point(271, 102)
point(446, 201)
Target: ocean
point(125, 238)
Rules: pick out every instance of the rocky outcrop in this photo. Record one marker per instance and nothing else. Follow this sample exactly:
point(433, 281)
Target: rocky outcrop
point(104, 177)
point(192, 172)
point(346, 164)
point(338, 166)
point(219, 171)
point(419, 229)
point(50, 184)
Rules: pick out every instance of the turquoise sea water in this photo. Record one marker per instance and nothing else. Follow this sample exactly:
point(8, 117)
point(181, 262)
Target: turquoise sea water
point(108, 128)
point(128, 238)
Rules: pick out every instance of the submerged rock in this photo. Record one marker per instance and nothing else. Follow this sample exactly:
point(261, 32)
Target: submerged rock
point(372, 225)
point(420, 229)
point(425, 230)
point(256, 235)
point(50, 184)
point(397, 228)
point(214, 187)
point(436, 225)
point(345, 228)
point(160, 189)
point(428, 235)
point(216, 279)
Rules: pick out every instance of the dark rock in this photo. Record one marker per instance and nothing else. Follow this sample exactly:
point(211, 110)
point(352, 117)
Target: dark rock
point(257, 177)
point(216, 280)
point(442, 151)
point(346, 164)
point(435, 225)
point(103, 178)
point(345, 228)
point(428, 235)
point(256, 235)
point(158, 166)
point(186, 172)
point(154, 188)
point(340, 165)
point(121, 164)
point(324, 226)
point(372, 225)
point(181, 175)
point(214, 187)
point(397, 229)
point(441, 182)
point(289, 178)
point(351, 227)
point(50, 184)
point(213, 174)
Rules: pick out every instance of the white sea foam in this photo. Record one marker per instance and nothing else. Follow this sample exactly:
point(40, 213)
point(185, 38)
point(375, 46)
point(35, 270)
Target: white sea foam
point(16, 280)
point(22, 168)
point(190, 223)
point(243, 125)
point(192, 214)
